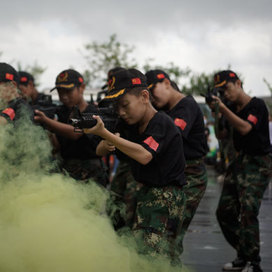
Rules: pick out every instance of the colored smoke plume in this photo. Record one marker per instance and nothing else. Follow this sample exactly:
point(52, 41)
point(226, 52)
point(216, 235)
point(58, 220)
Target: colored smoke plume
point(49, 222)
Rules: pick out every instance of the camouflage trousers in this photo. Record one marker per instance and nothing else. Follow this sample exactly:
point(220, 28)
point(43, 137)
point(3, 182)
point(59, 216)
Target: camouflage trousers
point(246, 180)
point(196, 177)
point(158, 219)
point(122, 203)
point(84, 170)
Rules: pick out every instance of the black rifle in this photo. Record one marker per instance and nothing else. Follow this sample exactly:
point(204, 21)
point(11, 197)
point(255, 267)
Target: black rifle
point(45, 104)
point(48, 110)
point(85, 120)
point(219, 92)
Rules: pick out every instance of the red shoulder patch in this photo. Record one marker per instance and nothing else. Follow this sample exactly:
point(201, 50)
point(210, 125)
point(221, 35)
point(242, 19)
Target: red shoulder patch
point(180, 123)
point(252, 119)
point(151, 143)
point(9, 112)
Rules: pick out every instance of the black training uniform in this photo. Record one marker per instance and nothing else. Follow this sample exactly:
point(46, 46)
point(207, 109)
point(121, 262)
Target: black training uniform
point(245, 182)
point(257, 141)
point(163, 140)
point(189, 118)
point(160, 201)
point(79, 156)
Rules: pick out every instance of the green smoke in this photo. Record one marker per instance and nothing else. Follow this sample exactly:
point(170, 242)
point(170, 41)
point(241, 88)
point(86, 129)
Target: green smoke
point(49, 222)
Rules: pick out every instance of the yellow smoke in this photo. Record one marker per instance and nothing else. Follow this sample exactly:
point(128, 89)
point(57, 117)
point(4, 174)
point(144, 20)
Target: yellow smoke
point(51, 223)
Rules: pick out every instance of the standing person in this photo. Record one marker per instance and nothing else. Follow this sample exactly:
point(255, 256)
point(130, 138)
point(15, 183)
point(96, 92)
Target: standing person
point(188, 117)
point(247, 175)
point(155, 162)
point(77, 150)
point(12, 106)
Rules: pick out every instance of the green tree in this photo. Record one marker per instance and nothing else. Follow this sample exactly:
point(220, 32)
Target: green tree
point(101, 57)
point(198, 84)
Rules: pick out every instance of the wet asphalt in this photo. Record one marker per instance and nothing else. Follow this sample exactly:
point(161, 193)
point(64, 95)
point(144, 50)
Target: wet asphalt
point(205, 249)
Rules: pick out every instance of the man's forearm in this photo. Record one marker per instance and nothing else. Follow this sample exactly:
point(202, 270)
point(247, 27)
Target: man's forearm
point(242, 126)
point(62, 129)
point(133, 150)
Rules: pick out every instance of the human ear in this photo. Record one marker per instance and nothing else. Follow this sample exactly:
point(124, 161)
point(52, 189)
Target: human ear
point(145, 96)
point(30, 83)
point(167, 82)
point(238, 83)
point(82, 88)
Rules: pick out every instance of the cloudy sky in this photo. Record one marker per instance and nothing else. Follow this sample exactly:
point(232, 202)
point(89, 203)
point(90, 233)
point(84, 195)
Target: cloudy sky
point(204, 35)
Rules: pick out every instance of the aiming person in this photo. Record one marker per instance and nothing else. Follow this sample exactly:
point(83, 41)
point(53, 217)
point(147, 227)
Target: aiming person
point(77, 150)
point(155, 161)
point(247, 176)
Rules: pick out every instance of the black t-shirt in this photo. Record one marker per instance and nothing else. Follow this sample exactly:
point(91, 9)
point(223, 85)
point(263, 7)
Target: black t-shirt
point(83, 148)
point(256, 142)
point(188, 117)
point(163, 140)
point(16, 109)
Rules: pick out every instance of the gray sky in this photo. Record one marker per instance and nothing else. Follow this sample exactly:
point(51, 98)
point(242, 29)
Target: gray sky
point(202, 35)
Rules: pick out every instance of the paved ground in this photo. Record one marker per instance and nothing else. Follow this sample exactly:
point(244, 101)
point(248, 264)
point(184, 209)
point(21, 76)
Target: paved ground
point(205, 249)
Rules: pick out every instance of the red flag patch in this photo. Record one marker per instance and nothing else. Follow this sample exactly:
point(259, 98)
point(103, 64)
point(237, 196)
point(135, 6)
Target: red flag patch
point(9, 112)
point(151, 143)
point(23, 79)
point(160, 76)
point(180, 123)
point(136, 80)
point(252, 119)
point(9, 76)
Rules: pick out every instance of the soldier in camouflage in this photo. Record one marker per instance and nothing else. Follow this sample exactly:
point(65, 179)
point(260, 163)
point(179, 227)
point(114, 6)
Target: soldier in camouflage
point(247, 176)
point(150, 144)
point(189, 119)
